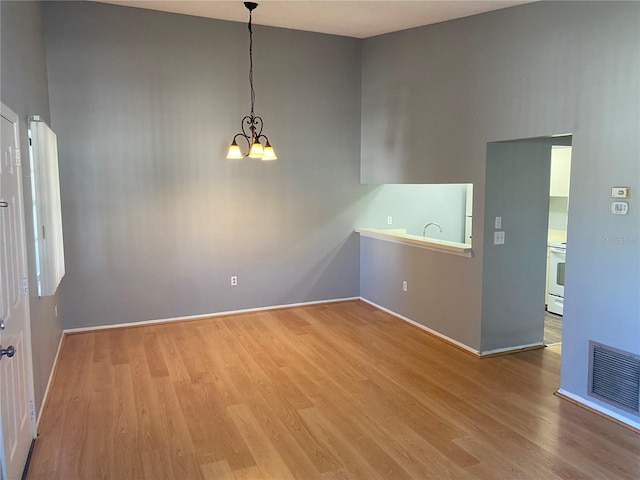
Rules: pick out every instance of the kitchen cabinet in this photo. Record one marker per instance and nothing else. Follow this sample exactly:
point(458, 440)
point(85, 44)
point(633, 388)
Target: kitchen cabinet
point(560, 171)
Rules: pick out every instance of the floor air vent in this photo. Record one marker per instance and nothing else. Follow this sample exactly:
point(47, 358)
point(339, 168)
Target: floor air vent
point(614, 376)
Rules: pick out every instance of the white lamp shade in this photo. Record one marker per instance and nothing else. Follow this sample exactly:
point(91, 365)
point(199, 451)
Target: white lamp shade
point(256, 150)
point(269, 153)
point(234, 151)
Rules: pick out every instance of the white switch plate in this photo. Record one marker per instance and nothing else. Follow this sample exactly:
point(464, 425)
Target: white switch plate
point(498, 222)
point(404, 286)
point(620, 192)
point(389, 220)
point(498, 238)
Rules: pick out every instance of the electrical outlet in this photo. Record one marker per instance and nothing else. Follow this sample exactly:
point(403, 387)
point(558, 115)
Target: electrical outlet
point(404, 286)
point(498, 238)
point(234, 281)
point(389, 220)
point(498, 222)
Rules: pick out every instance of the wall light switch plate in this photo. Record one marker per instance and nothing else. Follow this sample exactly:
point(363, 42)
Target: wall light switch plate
point(620, 192)
point(619, 208)
point(498, 222)
point(498, 238)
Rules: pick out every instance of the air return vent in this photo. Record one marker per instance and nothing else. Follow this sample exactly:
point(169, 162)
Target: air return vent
point(614, 376)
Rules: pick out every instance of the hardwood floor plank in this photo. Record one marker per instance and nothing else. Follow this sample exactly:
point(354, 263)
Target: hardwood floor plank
point(341, 447)
point(217, 471)
point(156, 466)
point(552, 328)
point(177, 437)
point(335, 391)
point(150, 434)
point(100, 448)
point(123, 428)
point(251, 473)
point(267, 458)
point(214, 435)
point(155, 358)
point(429, 451)
point(283, 409)
point(293, 454)
point(194, 353)
point(117, 337)
point(363, 437)
point(170, 350)
point(341, 474)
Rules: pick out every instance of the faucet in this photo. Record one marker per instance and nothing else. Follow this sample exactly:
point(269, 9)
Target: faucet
point(428, 224)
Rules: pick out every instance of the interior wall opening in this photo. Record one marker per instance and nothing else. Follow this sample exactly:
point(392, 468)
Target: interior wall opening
point(520, 210)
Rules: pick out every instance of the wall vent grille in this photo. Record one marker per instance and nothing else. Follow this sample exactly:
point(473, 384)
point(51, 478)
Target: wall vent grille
point(614, 376)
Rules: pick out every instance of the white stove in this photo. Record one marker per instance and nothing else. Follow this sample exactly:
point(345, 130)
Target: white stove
point(557, 255)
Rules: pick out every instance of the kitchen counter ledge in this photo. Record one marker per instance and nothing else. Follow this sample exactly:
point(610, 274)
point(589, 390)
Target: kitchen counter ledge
point(400, 235)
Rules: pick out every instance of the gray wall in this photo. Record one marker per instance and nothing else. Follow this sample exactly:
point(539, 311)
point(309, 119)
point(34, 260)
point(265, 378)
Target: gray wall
point(437, 296)
point(413, 206)
point(24, 90)
point(434, 96)
point(514, 274)
point(156, 220)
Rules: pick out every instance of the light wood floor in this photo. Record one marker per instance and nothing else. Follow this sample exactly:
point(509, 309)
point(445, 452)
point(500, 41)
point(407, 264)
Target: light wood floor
point(335, 391)
point(552, 328)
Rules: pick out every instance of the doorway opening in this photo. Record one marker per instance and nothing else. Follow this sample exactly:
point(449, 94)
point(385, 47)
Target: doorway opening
point(559, 183)
point(524, 214)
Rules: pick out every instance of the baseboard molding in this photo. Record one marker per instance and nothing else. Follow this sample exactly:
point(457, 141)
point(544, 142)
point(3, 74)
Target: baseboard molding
point(51, 377)
point(455, 343)
point(598, 410)
point(435, 333)
point(71, 331)
point(509, 350)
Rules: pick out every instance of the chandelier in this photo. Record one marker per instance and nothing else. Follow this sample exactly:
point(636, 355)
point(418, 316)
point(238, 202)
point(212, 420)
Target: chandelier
point(251, 125)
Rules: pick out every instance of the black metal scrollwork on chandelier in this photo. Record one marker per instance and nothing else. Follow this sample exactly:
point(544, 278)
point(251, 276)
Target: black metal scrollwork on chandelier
point(252, 124)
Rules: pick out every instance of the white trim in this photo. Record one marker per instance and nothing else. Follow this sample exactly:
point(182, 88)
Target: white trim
point(394, 236)
point(512, 349)
point(427, 329)
point(599, 408)
point(10, 115)
point(204, 315)
point(51, 374)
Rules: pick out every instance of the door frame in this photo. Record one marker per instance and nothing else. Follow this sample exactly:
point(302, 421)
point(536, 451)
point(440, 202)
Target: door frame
point(12, 117)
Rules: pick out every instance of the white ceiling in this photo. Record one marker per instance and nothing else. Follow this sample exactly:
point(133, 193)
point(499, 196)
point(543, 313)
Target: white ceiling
point(356, 18)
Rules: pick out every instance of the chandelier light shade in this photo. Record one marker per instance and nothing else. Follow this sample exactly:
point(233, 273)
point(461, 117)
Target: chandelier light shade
point(258, 145)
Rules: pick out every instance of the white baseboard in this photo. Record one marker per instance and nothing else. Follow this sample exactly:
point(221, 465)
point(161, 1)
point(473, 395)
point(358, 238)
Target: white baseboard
point(202, 316)
point(427, 329)
point(590, 405)
point(51, 375)
point(515, 349)
point(477, 353)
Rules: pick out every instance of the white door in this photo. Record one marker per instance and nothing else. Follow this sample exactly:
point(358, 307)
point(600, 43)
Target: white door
point(16, 375)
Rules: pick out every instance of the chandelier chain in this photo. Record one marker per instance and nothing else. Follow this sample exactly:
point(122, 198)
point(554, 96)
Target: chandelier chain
point(253, 92)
